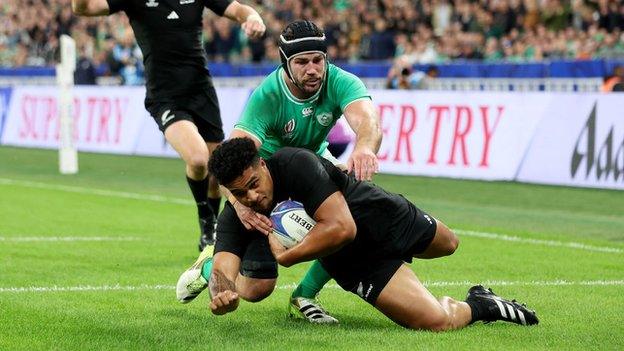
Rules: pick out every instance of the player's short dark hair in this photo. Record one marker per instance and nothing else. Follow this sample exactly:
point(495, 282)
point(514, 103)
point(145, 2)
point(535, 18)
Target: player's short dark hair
point(230, 159)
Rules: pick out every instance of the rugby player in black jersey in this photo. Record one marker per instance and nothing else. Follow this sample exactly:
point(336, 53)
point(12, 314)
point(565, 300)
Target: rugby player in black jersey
point(180, 95)
point(364, 237)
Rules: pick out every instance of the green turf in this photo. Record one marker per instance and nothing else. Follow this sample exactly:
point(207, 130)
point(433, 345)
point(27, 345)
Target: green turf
point(160, 237)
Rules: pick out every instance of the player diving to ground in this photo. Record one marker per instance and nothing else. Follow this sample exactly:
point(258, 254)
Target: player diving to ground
point(364, 237)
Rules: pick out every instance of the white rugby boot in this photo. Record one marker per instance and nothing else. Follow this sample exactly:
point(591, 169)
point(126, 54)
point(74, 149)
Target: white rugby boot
point(309, 310)
point(191, 283)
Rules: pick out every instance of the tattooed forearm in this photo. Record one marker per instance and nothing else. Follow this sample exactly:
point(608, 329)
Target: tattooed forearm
point(219, 282)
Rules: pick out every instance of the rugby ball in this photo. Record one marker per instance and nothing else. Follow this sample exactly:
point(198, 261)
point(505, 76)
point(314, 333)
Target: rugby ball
point(291, 223)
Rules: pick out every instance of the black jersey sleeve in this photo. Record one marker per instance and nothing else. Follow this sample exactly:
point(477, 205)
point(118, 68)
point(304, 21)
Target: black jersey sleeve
point(307, 180)
point(116, 6)
point(217, 6)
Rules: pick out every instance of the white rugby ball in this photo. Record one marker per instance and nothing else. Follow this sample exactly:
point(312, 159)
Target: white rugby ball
point(291, 223)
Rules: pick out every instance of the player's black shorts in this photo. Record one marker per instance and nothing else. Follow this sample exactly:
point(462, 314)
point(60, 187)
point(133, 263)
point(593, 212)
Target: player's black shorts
point(252, 247)
point(201, 108)
point(361, 269)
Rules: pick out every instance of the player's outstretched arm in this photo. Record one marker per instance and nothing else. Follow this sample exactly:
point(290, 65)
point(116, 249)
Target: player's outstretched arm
point(364, 120)
point(222, 284)
point(90, 7)
point(250, 20)
point(334, 228)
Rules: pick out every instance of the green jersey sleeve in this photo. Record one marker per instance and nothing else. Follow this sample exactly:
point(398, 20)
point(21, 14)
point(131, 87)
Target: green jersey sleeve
point(259, 113)
point(346, 87)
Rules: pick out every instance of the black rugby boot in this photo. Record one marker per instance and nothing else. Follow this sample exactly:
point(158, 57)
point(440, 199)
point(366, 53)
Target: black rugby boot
point(491, 307)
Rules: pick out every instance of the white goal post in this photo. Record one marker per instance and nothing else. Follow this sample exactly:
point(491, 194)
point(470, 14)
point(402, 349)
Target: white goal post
point(68, 155)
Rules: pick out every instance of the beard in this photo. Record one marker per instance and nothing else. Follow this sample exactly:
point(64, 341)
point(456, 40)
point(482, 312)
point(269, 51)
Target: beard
point(310, 85)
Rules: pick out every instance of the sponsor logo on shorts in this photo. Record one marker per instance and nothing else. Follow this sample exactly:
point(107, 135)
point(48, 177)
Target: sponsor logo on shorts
point(184, 2)
point(151, 3)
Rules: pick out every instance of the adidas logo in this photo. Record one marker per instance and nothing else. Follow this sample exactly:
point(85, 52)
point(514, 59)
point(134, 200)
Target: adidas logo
point(512, 311)
point(173, 15)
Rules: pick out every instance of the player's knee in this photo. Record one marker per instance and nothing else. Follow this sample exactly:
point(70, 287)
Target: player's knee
point(447, 243)
point(198, 163)
point(452, 244)
point(258, 292)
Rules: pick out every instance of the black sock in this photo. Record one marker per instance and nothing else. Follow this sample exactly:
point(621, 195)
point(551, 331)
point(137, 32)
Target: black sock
point(199, 188)
point(476, 310)
point(215, 204)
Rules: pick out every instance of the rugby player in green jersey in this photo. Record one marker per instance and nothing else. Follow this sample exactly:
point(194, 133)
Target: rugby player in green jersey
point(297, 105)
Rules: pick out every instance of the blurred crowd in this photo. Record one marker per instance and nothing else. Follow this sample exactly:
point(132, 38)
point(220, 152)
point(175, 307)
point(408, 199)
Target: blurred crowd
point(415, 31)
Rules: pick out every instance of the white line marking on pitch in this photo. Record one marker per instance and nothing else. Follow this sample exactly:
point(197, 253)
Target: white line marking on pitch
point(67, 238)
point(82, 288)
point(102, 192)
point(572, 245)
point(158, 198)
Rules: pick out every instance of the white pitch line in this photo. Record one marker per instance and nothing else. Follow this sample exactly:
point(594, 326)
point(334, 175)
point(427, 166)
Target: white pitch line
point(158, 198)
point(67, 238)
point(82, 288)
point(571, 244)
point(117, 287)
point(101, 192)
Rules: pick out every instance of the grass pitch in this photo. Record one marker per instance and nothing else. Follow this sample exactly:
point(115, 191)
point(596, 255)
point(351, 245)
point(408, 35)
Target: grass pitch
point(90, 262)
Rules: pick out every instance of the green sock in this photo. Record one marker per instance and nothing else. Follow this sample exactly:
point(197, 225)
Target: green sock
point(207, 269)
point(313, 281)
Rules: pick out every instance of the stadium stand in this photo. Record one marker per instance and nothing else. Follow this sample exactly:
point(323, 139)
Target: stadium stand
point(528, 39)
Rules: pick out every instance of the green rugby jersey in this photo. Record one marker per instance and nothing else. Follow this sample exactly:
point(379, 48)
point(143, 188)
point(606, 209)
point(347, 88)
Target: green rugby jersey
point(277, 118)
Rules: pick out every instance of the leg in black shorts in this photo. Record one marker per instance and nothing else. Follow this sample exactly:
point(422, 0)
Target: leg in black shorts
point(201, 108)
point(357, 269)
point(257, 272)
point(194, 142)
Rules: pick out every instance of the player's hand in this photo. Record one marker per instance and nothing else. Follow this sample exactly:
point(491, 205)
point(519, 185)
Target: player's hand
point(254, 27)
point(224, 302)
point(363, 162)
point(253, 220)
point(277, 248)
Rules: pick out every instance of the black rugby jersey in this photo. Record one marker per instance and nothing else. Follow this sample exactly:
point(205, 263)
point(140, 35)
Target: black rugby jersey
point(383, 219)
point(169, 35)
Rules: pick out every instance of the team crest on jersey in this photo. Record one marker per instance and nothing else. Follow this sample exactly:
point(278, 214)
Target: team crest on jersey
point(289, 127)
point(151, 3)
point(307, 111)
point(324, 118)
